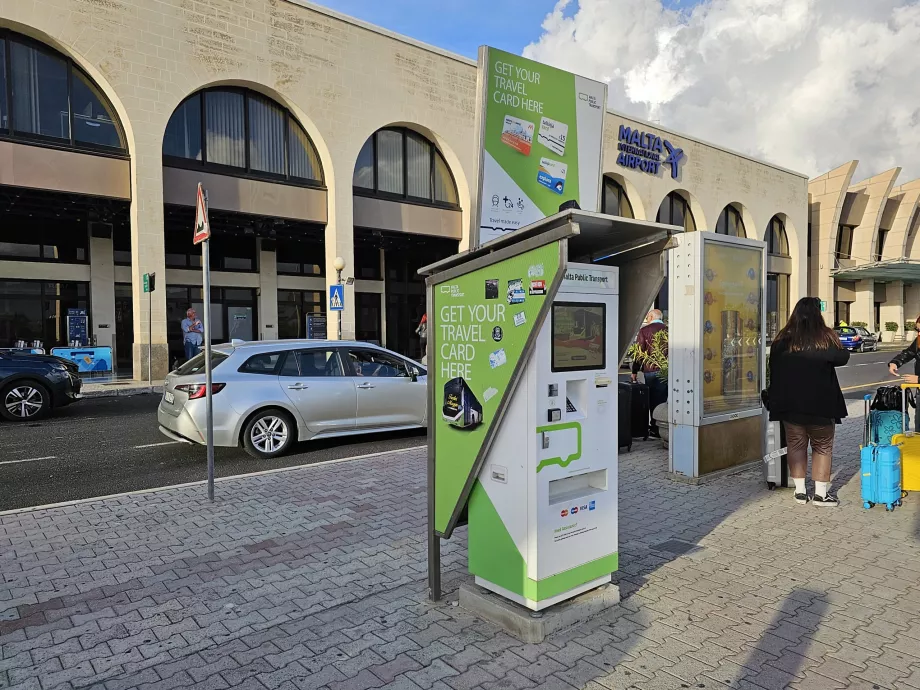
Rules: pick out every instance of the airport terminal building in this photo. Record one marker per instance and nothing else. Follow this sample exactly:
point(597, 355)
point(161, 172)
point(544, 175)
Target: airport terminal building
point(317, 136)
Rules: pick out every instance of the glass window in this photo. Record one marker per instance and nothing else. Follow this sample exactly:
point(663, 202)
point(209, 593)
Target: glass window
point(226, 135)
point(304, 159)
point(777, 242)
point(263, 363)
point(615, 202)
point(445, 190)
point(93, 122)
point(364, 168)
point(121, 246)
point(317, 362)
point(293, 307)
point(4, 112)
point(844, 242)
point(266, 136)
point(880, 250)
point(299, 258)
point(418, 166)
point(777, 304)
point(674, 210)
point(229, 253)
point(730, 223)
point(183, 133)
point(371, 363)
point(367, 263)
point(40, 101)
point(196, 364)
point(390, 161)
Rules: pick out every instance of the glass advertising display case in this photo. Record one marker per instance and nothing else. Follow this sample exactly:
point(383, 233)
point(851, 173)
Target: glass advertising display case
point(717, 352)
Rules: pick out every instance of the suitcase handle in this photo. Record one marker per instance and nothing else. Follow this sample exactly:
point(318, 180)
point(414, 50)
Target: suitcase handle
point(868, 401)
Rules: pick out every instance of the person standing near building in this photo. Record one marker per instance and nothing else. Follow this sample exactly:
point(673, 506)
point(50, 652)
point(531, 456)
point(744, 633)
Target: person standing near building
point(657, 388)
point(909, 354)
point(422, 331)
point(806, 397)
point(191, 334)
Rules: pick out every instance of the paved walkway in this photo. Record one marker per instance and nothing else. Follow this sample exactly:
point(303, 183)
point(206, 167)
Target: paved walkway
point(315, 578)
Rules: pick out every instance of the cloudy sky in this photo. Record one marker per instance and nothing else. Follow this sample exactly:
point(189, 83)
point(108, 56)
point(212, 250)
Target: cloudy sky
point(807, 84)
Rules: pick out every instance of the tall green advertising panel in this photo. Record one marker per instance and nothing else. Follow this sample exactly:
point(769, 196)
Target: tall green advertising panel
point(541, 134)
point(479, 326)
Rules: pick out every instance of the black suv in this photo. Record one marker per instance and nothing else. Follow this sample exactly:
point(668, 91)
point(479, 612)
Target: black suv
point(32, 385)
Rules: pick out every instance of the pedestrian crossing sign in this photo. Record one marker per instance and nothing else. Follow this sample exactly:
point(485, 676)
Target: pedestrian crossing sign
point(336, 298)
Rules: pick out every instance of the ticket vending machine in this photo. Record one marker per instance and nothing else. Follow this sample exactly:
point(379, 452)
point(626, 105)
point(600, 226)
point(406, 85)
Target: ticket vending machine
point(525, 340)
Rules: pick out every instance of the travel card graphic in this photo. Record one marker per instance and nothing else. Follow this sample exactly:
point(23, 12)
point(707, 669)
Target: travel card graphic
point(516, 291)
point(552, 135)
point(552, 174)
point(518, 134)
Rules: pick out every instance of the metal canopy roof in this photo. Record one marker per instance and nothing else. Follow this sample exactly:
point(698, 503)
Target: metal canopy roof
point(592, 238)
point(887, 271)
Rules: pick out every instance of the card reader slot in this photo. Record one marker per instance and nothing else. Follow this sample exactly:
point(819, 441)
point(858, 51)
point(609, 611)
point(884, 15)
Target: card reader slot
point(569, 489)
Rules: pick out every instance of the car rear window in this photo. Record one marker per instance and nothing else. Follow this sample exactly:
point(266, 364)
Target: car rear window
point(846, 331)
point(196, 364)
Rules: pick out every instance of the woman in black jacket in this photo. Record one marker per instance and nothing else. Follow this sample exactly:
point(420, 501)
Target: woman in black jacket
point(806, 397)
point(905, 356)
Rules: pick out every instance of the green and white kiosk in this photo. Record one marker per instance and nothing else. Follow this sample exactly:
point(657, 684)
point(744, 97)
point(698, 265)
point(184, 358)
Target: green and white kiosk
point(526, 334)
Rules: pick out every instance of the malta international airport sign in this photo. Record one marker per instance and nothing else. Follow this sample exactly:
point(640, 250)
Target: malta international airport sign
point(647, 152)
point(541, 133)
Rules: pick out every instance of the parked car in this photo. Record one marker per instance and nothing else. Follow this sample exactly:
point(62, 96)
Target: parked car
point(268, 395)
point(33, 385)
point(857, 339)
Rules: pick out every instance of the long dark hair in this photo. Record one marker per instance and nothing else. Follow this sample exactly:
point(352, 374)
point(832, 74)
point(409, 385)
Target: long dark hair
point(806, 329)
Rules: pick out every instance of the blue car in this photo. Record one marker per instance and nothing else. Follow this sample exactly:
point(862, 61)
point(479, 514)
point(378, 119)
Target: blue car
point(857, 339)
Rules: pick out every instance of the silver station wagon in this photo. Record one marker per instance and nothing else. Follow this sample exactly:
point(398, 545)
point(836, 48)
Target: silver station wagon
point(270, 394)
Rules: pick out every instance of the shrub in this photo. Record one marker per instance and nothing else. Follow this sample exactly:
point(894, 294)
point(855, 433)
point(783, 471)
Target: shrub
point(891, 326)
point(910, 326)
point(859, 324)
point(657, 355)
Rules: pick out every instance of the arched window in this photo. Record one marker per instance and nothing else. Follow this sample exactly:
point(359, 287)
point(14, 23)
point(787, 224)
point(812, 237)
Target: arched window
point(777, 276)
point(615, 201)
point(777, 242)
point(237, 131)
point(401, 164)
point(675, 210)
point(45, 97)
point(730, 222)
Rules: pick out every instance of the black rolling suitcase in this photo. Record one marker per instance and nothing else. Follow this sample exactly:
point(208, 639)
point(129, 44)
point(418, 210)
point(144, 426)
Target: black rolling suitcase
point(624, 410)
point(640, 411)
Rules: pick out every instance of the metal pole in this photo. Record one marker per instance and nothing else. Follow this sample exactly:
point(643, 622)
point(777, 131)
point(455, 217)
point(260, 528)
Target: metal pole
point(149, 336)
point(206, 271)
point(338, 280)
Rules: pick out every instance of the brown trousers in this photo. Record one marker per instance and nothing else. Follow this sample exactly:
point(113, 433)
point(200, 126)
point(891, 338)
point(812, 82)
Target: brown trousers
point(822, 448)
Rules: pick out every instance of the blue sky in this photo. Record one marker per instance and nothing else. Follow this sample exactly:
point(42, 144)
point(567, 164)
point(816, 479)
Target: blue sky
point(461, 26)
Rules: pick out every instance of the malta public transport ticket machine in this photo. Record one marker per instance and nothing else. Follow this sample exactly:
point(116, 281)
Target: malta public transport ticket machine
point(526, 335)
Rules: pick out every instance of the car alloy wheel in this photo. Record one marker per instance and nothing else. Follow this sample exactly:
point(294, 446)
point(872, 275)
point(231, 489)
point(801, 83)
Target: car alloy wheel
point(24, 401)
point(269, 434)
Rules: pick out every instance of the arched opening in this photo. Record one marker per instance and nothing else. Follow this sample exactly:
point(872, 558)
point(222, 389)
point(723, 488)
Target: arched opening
point(406, 215)
point(268, 211)
point(779, 270)
point(615, 201)
point(912, 234)
point(730, 222)
point(675, 210)
point(68, 155)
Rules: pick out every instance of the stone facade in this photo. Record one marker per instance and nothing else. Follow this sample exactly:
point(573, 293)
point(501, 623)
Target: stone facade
point(343, 79)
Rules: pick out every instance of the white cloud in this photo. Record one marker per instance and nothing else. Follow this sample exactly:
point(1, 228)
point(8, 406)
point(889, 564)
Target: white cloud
point(807, 84)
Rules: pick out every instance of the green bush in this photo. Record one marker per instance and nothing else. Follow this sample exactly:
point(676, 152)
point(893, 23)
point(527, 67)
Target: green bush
point(858, 324)
point(910, 326)
point(891, 326)
point(657, 355)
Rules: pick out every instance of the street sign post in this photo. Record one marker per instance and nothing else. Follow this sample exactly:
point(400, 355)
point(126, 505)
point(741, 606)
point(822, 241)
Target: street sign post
point(202, 236)
point(336, 298)
point(150, 282)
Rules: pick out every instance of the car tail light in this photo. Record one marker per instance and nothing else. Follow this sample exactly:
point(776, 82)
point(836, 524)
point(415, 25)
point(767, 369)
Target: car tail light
point(198, 390)
point(856, 338)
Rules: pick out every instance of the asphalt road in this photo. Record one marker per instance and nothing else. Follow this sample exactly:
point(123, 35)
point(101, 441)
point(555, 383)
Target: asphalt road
point(110, 445)
point(866, 372)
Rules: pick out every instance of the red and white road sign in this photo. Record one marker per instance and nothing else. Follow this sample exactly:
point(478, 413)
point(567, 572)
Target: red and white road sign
point(202, 226)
